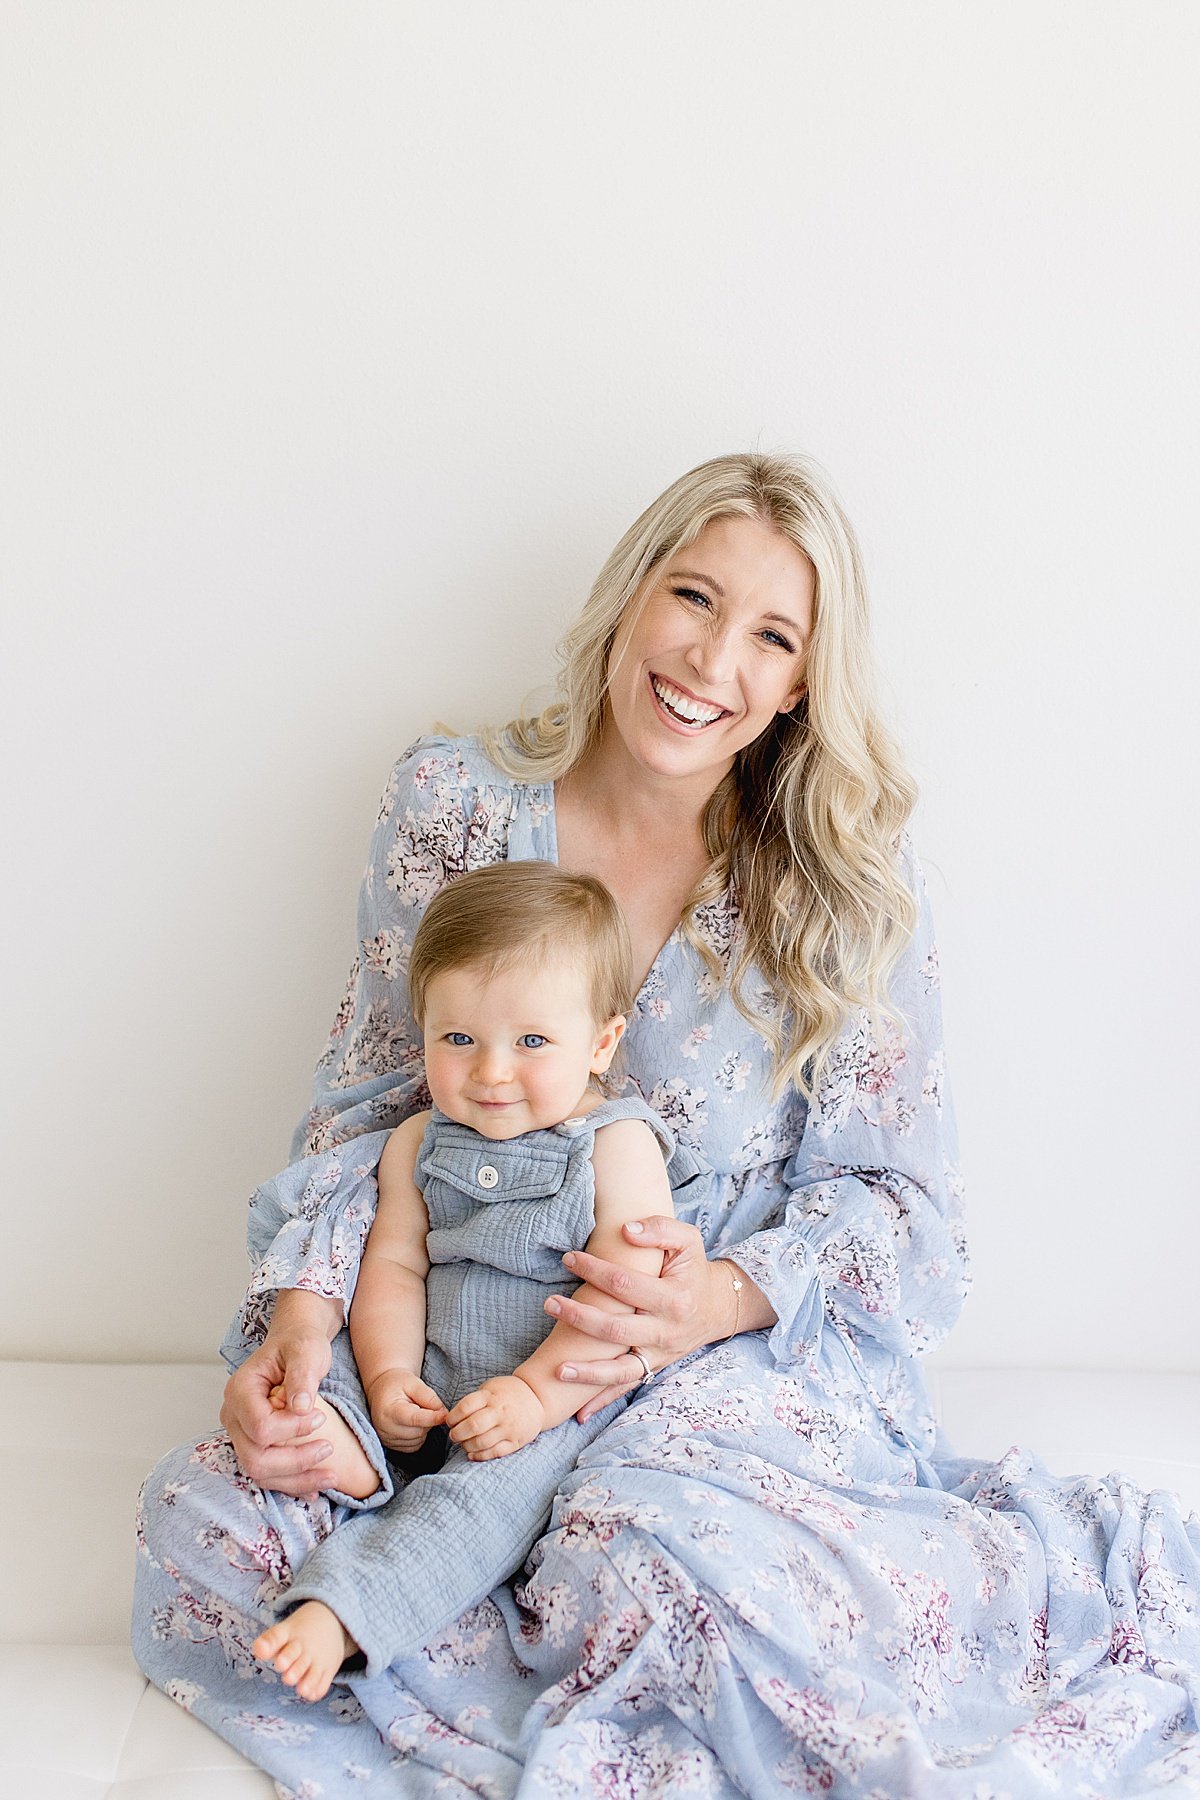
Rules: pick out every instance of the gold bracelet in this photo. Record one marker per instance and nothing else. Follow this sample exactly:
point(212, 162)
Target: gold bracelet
point(738, 1285)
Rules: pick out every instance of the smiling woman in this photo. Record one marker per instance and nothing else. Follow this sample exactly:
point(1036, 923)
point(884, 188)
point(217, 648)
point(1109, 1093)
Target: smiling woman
point(718, 716)
point(766, 1573)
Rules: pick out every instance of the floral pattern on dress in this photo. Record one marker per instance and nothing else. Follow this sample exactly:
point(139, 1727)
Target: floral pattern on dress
point(766, 1577)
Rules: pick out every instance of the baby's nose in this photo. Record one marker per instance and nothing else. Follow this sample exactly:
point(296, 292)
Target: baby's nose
point(493, 1068)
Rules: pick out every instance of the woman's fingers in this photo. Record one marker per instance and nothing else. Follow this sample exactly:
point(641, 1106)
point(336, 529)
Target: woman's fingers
point(288, 1471)
point(644, 1292)
point(662, 1232)
point(615, 1372)
point(639, 1328)
point(599, 1401)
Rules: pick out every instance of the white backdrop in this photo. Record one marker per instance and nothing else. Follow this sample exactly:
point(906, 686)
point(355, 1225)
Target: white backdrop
point(341, 342)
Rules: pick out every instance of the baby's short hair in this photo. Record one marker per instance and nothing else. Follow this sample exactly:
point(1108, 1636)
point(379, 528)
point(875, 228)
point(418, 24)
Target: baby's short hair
point(513, 912)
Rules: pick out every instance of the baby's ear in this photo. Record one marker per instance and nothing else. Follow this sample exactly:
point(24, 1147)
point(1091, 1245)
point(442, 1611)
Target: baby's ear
point(607, 1039)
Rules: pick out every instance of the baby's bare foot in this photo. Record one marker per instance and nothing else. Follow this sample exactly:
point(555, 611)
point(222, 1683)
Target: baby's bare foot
point(348, 1469)
point(308, 1648)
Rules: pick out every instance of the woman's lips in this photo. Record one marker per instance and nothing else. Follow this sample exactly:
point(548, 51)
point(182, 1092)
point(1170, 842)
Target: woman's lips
point(675, 703)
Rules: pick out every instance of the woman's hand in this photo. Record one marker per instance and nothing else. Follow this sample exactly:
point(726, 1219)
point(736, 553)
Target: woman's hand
point(692, 1302)
point(295, 1355)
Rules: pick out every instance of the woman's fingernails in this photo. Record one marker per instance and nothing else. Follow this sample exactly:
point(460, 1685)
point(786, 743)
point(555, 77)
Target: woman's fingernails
point(568, 1372)
point(635, 1228)
point(569, 1259)
point(554, 1305)
point(301, 1402)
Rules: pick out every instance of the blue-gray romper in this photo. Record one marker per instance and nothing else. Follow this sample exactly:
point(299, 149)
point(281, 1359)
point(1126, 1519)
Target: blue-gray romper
point(501, 1215)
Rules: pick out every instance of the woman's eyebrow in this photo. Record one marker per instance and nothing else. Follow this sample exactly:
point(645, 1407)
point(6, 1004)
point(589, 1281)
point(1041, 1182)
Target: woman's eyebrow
point(695, 575)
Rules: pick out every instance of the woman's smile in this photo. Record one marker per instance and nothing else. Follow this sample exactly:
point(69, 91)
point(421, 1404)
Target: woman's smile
point(683, 708)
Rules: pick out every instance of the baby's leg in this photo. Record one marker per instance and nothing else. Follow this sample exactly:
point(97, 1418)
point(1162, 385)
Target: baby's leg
point(308, 1648)
point(349, 1469)
point(399, 1575)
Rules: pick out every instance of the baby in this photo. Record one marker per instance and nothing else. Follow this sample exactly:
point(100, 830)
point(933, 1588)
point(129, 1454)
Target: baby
point(520, 982)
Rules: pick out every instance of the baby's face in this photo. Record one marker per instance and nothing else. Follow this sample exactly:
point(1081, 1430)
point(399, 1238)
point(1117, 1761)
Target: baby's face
point(514, 1051)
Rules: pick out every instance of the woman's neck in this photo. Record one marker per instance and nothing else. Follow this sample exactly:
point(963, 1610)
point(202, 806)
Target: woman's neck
point(628, 801)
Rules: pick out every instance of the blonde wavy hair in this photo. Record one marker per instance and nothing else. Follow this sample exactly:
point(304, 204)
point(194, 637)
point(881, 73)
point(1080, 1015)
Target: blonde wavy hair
point(803, 832)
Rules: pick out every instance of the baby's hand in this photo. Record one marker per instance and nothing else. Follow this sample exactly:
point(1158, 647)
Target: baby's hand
point(501, 1416)
point(404, 1409)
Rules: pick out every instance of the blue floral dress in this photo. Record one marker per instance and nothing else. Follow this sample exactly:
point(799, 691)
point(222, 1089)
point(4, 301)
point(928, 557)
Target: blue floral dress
point(766, 1576)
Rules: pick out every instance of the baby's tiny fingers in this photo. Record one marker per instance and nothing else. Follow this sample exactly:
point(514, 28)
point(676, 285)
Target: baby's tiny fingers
point(470, 1403)
point(487, 1441)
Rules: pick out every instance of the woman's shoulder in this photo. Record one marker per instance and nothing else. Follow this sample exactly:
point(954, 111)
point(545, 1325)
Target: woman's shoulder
point(440, 761)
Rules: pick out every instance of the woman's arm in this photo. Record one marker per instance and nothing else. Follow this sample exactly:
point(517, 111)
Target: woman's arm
point(869, 1239)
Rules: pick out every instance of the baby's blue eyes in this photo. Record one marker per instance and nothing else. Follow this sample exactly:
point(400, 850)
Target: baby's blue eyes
point(531, 1041)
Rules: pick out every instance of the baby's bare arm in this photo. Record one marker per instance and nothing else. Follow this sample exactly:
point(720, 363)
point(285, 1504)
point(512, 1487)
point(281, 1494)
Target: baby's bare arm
point(631, 1182)
point(387, 1314)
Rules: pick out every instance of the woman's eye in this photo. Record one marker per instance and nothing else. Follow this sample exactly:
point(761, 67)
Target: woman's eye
point(693, 594)
point(531, 1041)
point(773, 637)
point(458, 1038)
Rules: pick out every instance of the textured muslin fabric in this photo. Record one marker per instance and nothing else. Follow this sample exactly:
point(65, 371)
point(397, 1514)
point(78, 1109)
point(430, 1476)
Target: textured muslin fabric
point(501, 1214)
point(767, 1575)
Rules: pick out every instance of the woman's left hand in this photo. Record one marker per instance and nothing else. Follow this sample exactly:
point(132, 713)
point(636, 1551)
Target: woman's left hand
point(692, 1302)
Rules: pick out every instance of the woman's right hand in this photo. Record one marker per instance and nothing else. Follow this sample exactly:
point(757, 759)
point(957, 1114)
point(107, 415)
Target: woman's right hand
point(296, 1355)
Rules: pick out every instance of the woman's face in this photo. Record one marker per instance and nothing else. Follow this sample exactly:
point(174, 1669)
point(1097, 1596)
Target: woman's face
point(699, 670)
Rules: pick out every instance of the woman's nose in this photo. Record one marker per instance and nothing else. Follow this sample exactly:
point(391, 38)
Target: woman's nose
point(713, 657)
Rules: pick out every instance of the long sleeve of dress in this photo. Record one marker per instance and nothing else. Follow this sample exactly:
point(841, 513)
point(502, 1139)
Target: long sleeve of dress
point(308, 1224)
point(868, 1241)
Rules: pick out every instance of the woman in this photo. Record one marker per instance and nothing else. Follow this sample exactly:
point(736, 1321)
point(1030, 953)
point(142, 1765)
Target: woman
point(761, 1576)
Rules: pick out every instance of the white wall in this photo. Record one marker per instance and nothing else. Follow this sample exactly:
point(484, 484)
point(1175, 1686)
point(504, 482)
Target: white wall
point(341, 342)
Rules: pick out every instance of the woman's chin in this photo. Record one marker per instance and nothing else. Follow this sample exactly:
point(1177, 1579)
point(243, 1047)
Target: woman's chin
point(664, 751)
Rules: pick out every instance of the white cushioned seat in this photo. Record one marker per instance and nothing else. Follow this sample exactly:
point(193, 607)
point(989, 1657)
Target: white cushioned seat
point(79, 1722)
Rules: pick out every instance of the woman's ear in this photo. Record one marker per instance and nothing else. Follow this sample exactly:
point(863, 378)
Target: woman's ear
point(607, 1039)
point(794, 698)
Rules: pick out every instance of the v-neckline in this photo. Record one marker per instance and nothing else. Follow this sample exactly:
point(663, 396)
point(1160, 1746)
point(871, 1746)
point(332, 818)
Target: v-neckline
point(655, 966)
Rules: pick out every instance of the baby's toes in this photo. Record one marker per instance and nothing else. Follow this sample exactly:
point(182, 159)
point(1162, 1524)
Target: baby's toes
point(315, 1685)
point(267, 1643)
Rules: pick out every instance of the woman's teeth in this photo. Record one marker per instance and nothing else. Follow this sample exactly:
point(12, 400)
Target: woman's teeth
point(688, 712)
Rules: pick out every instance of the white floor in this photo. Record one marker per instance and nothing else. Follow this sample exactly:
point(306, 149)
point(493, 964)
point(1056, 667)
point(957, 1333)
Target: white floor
point(77, 1720)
